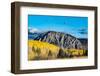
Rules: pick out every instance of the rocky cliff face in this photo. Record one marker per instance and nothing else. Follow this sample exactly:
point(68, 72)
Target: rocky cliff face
point(64, 41)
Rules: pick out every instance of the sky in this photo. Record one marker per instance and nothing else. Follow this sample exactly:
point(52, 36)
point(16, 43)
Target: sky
point(76, 26)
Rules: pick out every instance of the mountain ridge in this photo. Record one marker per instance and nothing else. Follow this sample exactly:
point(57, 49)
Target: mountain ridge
point(63, 40)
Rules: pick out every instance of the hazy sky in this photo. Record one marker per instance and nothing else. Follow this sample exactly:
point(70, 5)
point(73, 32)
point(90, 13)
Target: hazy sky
point(76, 26)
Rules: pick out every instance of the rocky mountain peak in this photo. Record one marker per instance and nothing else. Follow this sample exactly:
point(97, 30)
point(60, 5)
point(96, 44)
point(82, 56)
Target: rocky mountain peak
point(64, 41)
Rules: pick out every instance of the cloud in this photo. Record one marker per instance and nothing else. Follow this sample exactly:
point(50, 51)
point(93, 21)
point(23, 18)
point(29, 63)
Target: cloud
point(82, 31)
point(33, 30)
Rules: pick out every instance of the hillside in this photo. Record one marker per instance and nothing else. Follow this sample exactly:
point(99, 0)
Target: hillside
point(41, 50)
point(84, 42)
point(53, 45)
point(38, 50)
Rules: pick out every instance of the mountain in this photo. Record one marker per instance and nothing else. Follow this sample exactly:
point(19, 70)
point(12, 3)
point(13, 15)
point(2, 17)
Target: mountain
point(84, 42)
point(63, 40)
point(33, 35)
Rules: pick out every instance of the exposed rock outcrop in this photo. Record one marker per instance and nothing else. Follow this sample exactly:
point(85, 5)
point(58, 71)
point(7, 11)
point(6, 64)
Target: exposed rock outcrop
point(64, 41)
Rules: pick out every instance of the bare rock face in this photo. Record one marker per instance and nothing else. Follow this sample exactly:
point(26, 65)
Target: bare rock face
point(64, 41)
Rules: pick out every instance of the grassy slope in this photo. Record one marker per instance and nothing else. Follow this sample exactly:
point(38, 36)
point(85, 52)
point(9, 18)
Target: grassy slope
point(41, 50)
point(38, 50)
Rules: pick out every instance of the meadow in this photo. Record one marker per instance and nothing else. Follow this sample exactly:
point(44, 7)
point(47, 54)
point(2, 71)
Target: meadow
point(38, 50)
